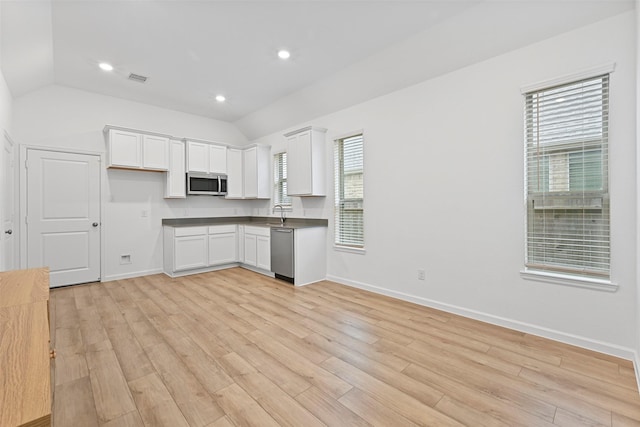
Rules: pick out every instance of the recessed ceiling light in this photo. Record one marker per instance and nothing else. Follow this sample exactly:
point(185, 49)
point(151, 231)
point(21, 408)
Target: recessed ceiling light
point(284, 54)
point(220, 98)
point(105, 66)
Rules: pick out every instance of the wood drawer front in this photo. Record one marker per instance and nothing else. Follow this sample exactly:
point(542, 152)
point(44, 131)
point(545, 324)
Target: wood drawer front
point(25, 382)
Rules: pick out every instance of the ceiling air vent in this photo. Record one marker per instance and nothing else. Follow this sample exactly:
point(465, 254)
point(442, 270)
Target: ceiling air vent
point(137, 78)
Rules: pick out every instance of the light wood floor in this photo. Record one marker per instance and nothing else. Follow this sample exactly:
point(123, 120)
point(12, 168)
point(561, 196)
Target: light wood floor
point(234, 348)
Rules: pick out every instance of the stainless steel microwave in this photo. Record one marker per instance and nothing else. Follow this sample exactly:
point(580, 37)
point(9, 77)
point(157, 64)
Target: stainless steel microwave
point(208, 184)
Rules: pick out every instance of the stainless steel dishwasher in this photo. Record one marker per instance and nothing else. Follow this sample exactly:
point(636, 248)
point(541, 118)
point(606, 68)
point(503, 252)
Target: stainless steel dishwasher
point(282, 253)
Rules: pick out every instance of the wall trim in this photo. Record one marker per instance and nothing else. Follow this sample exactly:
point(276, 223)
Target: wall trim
point(598, 70)
point(636, 368)
point(563, 337)
point(131, 275)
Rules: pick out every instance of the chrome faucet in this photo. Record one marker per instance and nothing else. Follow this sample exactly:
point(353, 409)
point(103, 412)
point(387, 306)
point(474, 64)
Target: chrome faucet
point(282, 217)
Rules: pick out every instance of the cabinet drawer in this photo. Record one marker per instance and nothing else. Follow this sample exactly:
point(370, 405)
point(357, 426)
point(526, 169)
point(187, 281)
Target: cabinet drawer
point(217, 229)
point(189, 231)
point(257, 231)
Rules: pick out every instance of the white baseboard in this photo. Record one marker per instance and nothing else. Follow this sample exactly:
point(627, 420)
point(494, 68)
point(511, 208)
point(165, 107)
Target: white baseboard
point(636, 367)
point(201, 270)
point(588, 343)
point(131, 275)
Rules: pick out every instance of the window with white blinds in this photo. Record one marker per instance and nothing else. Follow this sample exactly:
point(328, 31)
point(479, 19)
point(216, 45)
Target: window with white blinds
point(280, 196)
point(567, 178)
point(349, 191)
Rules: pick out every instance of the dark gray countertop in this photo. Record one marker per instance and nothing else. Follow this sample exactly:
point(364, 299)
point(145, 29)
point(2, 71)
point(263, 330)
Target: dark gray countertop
point(259, 221)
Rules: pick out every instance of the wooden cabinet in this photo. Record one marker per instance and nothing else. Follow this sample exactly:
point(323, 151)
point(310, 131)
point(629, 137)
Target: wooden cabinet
point(256, 166)
point(190, 248)
point(176, 185)
point(222, 244)
point(235, 178)
point(25, 359)
point(133, 150)
point(257, 247)
point(205, 157)
point(306, 162)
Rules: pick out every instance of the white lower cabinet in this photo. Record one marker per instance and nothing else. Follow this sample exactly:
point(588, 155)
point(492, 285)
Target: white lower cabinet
point(257, 247)
point(199, 248)
point(263, 252)
point(250, 251)
point(196, 249)
point(190, 248)
point(222, 244)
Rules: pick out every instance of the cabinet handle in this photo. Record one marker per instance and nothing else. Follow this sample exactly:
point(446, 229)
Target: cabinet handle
point(95, 224)
point(52, 354)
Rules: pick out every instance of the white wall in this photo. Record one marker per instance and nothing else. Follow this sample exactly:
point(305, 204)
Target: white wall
point(5, 97)
point(62, 117)
point(6, 106)
point(636, 324)
point(444, 191)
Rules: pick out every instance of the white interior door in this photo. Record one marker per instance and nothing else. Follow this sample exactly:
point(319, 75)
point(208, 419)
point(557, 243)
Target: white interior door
point(63, 215)
point(7, 212)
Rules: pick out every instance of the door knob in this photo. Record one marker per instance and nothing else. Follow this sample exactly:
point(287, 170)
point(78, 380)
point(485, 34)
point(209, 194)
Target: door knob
point(9, 231)
point(95, 224)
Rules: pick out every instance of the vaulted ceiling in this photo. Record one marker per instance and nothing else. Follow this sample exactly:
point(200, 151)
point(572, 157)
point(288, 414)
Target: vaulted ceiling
point(342, 52)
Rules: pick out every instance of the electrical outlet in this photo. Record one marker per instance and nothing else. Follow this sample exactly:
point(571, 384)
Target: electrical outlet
point(125, 259)
point(421, 274)
point(144, 213)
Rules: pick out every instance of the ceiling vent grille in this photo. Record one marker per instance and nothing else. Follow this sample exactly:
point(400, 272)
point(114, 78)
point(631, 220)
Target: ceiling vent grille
point(137, 78)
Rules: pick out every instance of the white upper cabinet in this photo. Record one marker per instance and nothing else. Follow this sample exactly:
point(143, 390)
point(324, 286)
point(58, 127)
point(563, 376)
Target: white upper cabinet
point(124, 149)
point(155, 152)
point(176, 186)
point(306, 162)
point(206, 158)
point(256, 167)
point(133, 150)
point(218, 158)
point(235, 177)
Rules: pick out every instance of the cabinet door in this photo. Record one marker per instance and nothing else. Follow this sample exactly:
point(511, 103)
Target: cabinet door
point(222, 248)
point(124, 149)
point(250, 249)
point(197, 157)
point(235, 176)
point(250, 169)
point(263, 252)
point(299, 163)
point(217, 159)
point(155, 152)
point(190, 252)
point(176, 186)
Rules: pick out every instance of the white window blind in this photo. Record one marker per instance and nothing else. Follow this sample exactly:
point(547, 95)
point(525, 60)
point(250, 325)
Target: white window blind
point(567, 178)
point(280, 196)
point(349, 191)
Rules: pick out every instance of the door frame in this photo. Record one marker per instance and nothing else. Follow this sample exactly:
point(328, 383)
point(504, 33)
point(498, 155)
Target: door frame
point(23, 198)
point(3, 188)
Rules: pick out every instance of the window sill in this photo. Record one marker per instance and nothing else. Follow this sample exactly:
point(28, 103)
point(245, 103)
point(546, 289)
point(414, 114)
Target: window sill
point(567, 280)
point(359, 251)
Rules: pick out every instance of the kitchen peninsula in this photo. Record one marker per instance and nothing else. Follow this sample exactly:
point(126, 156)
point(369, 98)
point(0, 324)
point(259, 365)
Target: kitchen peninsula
point(196, 245)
